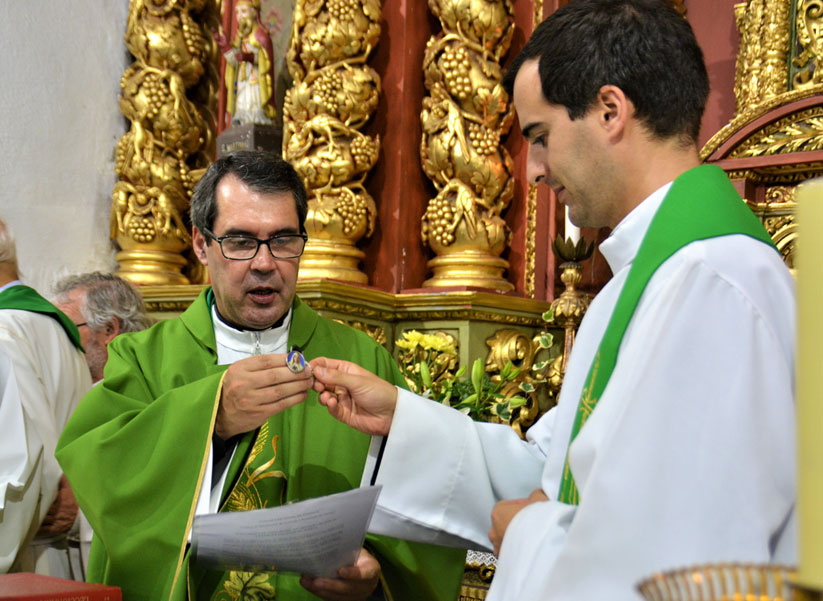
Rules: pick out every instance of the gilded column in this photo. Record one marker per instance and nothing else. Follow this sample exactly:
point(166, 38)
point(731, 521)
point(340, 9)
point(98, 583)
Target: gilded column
point(334, 94)
point(464, 116)
point(762, 58)
point(168, 94)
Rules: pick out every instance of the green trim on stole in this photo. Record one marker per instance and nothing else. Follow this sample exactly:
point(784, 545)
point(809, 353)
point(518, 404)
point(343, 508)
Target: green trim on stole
point(701, 204)
point(25, 298)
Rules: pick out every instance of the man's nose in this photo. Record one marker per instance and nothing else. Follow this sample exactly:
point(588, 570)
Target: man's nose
point(536, 168)
point(263, 260)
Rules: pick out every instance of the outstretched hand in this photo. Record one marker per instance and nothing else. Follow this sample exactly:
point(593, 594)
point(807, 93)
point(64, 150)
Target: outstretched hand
point(354, 396)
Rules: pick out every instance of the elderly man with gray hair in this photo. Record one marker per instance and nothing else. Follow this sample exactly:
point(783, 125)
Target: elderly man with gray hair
point(101, 305)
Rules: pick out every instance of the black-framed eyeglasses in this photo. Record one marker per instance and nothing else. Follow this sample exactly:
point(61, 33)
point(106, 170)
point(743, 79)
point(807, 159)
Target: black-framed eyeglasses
point(244, 248)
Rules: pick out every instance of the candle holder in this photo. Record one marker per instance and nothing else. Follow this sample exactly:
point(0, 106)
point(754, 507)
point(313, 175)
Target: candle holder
point(570, 307)
point(722, 582)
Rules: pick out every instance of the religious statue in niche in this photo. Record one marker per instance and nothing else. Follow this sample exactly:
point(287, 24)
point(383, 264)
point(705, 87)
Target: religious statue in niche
point(249, 75)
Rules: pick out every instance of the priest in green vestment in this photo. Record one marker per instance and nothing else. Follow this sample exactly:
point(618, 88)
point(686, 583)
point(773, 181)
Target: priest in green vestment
point(202, 414)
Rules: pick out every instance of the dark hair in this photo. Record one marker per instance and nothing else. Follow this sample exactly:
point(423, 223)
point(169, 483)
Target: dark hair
point(260, 170)
point(644, 47)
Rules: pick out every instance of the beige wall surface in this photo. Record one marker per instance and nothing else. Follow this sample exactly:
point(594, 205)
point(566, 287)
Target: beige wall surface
point(61, 62)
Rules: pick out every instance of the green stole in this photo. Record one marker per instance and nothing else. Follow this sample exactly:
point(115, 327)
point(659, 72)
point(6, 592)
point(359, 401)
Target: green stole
point(701, 204)
point(28, 299)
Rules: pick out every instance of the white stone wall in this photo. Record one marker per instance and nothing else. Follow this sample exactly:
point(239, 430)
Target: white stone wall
point(61, 62)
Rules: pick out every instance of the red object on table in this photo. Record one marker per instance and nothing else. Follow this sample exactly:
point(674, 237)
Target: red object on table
point(25, 586)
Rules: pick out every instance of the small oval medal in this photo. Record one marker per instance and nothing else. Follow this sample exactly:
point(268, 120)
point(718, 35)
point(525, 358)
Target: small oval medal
point(295, 360)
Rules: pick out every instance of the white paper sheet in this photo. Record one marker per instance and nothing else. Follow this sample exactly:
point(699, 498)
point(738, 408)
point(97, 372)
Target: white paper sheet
point(317, 536)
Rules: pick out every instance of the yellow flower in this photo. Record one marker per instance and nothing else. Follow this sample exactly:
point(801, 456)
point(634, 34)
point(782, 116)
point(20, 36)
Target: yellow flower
point(441, 344)
point(410, 340)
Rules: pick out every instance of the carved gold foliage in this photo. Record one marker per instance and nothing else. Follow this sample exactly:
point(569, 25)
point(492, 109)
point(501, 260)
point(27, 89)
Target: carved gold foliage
point(463, 118)
point(755, 112)
point(780, 195)
point(777, 214)
point(334, 94)
point(332, 31)
point(540, 362)
point(809, 32)
point(798, 132)
point(168, 95)
point(521, 350)
point(376, 333)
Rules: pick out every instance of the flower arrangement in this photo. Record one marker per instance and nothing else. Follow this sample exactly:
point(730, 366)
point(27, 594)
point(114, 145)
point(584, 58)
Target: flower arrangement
point(427, 362)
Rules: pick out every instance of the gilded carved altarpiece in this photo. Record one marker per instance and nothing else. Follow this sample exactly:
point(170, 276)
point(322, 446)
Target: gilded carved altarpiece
point(169, 95)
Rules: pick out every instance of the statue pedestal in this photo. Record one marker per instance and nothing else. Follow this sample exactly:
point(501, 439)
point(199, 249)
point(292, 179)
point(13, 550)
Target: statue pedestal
point(251, 136)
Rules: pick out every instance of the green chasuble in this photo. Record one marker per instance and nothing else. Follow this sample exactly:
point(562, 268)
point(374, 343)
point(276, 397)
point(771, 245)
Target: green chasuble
point(28, 299)
point(135, 452)
point(701, 204)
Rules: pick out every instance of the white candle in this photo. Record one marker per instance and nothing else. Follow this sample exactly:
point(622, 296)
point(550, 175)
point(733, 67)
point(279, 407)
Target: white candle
point(572, 231)
point(809, 384)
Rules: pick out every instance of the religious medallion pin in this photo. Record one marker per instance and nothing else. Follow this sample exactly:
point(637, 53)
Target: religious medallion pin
point(295, 360)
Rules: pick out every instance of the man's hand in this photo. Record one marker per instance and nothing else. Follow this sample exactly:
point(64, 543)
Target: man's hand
point(256, 388)
point(504, 512)
point(355, 396)
point(62, 513)
point(355, 583)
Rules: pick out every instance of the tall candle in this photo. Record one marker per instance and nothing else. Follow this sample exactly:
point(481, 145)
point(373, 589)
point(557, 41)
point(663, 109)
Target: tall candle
point(810, 384)
point(571, 231)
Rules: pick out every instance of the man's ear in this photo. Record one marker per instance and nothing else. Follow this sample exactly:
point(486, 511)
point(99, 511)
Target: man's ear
point(198, 243)
point(112, 329)
point(614, 110)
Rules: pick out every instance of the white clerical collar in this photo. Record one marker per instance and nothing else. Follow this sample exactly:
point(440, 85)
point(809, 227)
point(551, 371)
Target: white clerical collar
point(620, 248)
point(10, 284)
point(234, 344)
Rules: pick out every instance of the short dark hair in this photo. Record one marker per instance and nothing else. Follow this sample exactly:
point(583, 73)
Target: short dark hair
point(644, 47)
point(260, 170)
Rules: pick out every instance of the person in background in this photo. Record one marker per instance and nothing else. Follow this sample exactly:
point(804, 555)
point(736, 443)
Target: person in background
point(43, 376)
point(101, 305)
point(672, 442)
